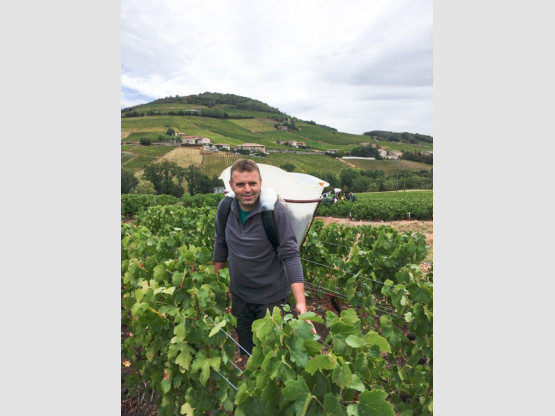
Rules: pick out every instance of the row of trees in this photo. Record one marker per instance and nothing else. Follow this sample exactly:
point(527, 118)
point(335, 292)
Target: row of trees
point(361, 151)
point(167, 178)
point(204, 112)
point(404, 137)
point(427, 158)
point(211, 99)
point(365, 151)
point(356, 180)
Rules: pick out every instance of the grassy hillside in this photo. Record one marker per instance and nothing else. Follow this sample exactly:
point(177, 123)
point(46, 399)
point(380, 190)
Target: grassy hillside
point(246, 120)
point(388, 166)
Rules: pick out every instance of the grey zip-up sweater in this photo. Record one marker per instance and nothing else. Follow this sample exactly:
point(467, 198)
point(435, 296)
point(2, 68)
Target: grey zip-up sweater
point(258, 274)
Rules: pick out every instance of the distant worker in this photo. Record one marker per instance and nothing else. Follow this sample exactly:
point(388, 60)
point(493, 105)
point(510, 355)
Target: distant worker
point(261, 277)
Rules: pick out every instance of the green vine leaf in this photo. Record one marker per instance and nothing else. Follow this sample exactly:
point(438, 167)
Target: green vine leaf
point(204, 364)
point(185, 357)
point(298, 353)
point(180, 331)
point(166, 386)
point(355, 341)
point(310, 316)
point(342, 375)
point(372, 403)
point(216, 328)
point(333, 406)
point(372, 338)
point(262, 327)
point(187, 410)
point(320, 362)
point(297, 391)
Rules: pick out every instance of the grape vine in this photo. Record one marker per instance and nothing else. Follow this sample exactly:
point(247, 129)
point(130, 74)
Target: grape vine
point(376, 359)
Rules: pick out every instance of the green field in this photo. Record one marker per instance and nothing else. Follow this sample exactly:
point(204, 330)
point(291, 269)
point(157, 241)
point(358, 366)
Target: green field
point(255, 125)
point(138, 157)
point(321, 134)
point(216, 163)
point(256, 130)
point(307, 163)
point(158, 124)
point(155, 151)
point(259, 128)
point(126, 156)
point(405, 147)
point(165, 107)
point(389, 166)
point(413, 195)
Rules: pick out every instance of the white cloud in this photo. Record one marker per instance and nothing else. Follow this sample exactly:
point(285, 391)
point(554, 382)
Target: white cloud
point(354, 65)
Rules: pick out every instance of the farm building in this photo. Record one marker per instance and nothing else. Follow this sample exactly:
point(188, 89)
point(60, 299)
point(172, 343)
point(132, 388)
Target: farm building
point(252, 147)
point(195, 140)
point(394, 154)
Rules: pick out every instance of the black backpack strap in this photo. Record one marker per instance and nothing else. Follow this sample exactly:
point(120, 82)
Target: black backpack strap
point(270, 227)
point(223, 213)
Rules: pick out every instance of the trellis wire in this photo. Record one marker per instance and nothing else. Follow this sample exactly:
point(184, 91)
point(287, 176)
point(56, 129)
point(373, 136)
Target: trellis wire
point(225, 378)
point(329, 291)
point(326, 290)
point(344, 272)
point(229, 336)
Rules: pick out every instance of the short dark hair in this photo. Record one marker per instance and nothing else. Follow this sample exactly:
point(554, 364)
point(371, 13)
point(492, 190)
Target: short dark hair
point(242, 165)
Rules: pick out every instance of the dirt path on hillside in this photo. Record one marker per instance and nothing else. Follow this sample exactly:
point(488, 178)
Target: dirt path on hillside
point(347, 163)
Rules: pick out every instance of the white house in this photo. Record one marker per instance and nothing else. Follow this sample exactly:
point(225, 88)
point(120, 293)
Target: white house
point(194, 139)
point(394, 154)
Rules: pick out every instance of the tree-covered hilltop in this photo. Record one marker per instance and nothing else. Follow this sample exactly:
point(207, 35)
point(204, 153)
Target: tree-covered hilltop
point(405, 137)
point(212, 99)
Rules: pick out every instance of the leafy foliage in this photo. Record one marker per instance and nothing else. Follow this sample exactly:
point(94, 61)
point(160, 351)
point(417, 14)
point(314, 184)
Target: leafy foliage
point(376, 359)
point(166, 177)
point(131, 204)
point(399, 137)
point(197, 182)
point(383, 206)
point(365, 151)
point(210, 99)
point(288, 167)
point(128, 181)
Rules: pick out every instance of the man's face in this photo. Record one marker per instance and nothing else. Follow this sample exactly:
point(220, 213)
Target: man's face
point(246, 186)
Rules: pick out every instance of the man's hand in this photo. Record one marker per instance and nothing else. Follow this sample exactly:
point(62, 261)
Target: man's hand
point(218, 266)
point(302, 309)
point(300, 305)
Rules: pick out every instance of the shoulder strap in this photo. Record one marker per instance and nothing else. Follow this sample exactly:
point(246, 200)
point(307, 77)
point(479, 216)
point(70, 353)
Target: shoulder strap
point(270, 227)
point(223, 213)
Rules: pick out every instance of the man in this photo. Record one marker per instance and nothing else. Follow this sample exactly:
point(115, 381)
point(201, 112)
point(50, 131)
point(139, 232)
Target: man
point(260, 276)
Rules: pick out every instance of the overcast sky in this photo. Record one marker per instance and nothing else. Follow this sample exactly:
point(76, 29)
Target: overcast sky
point(356, 65)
